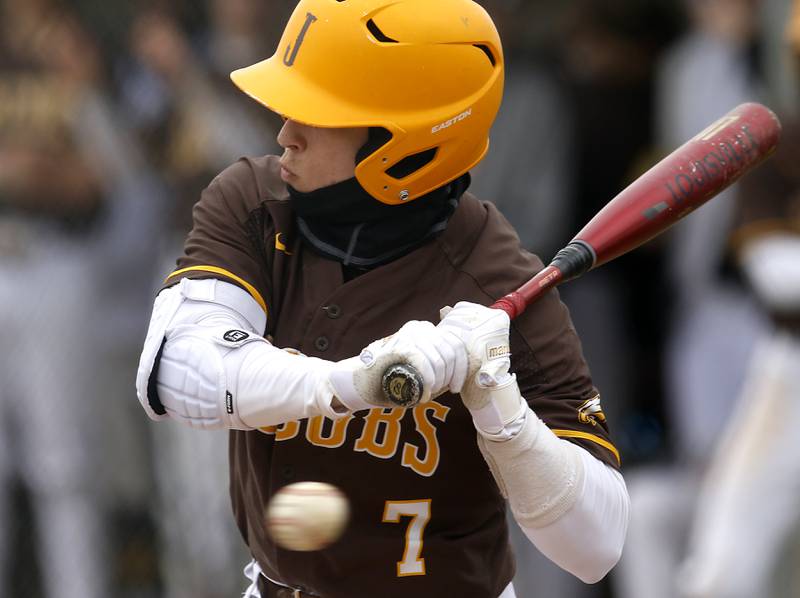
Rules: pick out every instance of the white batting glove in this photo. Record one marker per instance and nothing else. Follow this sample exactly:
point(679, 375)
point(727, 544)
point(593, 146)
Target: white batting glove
point(437, 354)
point(490, 393)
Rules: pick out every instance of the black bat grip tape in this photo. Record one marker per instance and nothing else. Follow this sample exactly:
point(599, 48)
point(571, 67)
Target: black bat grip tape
point(575, 259)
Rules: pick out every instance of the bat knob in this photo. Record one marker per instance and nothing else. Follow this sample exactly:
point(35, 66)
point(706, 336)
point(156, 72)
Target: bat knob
point(402, 385)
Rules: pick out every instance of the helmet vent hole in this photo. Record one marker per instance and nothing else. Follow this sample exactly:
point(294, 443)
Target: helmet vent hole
point(411, 164)
point(488, 51)
point(378, 34)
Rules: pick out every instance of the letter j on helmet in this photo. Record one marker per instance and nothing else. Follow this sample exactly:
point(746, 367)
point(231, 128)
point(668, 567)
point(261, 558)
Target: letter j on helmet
point(291, 53)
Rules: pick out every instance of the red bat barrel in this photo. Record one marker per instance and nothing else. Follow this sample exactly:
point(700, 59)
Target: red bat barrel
point(679, 184)
point(683, 181)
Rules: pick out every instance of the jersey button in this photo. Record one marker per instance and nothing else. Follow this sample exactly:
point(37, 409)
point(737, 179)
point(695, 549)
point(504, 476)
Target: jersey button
point(333, 311)
point(322, 343)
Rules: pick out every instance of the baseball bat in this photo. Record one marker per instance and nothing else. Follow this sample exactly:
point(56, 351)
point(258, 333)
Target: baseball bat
point(680, 183)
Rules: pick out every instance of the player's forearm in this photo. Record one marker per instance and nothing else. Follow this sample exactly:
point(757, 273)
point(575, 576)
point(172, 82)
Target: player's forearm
point(570, 505)
point(587, 540)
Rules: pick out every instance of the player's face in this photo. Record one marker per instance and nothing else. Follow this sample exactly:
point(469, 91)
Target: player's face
point(315, 157)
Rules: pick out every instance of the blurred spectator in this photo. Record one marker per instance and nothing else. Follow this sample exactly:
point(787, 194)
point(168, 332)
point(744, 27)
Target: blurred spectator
point(526, 173)
point(68, 179)
point(752, 488)
point(182, 103)
point(607, 54)
point(186, 112)
point(714, 322)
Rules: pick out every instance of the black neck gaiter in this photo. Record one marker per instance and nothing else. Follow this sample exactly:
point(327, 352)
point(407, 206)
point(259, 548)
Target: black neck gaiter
point(343, 222)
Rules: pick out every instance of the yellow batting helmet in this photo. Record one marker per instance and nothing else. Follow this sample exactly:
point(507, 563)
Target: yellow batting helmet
point(430, 72)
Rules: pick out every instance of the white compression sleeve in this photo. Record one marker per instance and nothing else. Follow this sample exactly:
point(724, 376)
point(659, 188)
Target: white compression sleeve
point(587, 540)
point(570, 505)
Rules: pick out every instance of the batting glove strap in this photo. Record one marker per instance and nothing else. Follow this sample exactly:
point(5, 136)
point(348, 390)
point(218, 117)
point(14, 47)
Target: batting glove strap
point(498, 412)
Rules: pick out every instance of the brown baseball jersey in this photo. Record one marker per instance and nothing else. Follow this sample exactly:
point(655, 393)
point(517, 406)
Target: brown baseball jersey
point(427, 518)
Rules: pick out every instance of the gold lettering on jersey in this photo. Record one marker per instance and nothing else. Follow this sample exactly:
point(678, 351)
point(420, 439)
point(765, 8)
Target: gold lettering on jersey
point(334, 437)
point(420, 513)
point(591, 411)
point(381, 434)
point(426, 465)
point(287, 431)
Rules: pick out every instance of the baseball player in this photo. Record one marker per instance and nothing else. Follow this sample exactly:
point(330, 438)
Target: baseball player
point(306, 275)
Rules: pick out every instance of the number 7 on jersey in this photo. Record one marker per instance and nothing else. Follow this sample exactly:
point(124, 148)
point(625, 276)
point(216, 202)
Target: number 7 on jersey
point(420, 513)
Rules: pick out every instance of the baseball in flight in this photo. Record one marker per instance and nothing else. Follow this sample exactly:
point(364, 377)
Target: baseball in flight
point(307, 515)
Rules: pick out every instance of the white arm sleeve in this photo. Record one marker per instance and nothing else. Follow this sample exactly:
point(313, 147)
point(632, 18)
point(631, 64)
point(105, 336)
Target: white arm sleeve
point(587, 540)
point(572, 507)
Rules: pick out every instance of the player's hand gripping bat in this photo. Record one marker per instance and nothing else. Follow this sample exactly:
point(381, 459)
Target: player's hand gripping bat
point(683, 181)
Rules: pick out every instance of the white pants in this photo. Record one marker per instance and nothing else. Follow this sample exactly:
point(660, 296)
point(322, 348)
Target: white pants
point(48, 400)
point(749, 505)
point(252, 571)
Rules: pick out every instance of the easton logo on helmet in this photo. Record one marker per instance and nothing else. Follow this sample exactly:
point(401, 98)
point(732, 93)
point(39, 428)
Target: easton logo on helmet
point(449, 123)
point(289, 60)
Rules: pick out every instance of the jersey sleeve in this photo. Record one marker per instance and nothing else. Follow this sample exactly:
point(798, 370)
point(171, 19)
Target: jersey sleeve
point(226, 240)
point(554, 378)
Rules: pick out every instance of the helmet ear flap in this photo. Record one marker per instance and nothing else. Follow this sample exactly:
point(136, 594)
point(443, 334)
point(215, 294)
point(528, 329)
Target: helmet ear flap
point(378, 137)
point(411, 164)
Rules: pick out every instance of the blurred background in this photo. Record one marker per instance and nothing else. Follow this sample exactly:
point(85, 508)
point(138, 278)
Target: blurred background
point(114, 116)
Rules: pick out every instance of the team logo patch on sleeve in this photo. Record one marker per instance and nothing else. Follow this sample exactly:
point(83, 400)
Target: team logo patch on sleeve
point(591, 411)
point(235, 336)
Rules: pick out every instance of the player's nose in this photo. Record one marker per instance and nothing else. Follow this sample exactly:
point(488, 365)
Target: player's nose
point(290, 136)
